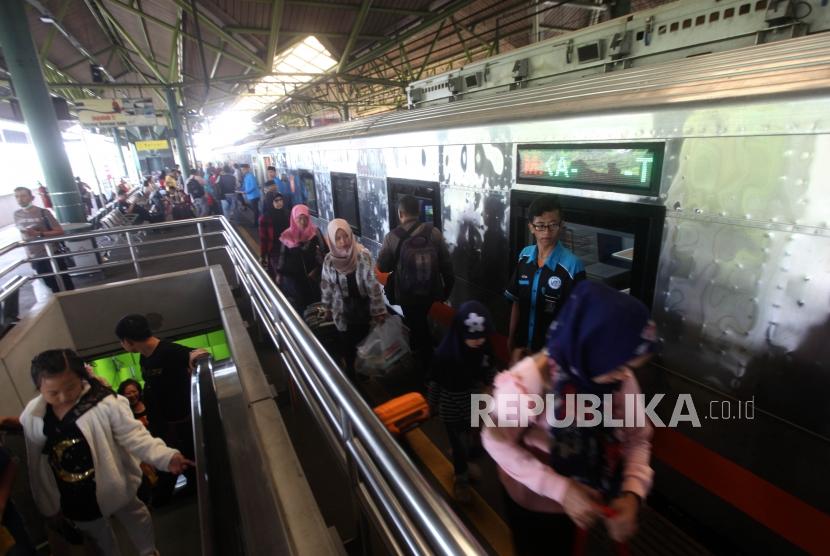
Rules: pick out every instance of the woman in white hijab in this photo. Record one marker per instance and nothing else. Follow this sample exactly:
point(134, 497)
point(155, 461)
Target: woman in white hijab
point(350, 290)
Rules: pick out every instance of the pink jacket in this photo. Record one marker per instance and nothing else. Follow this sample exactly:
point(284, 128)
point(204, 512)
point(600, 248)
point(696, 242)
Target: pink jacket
point(522, 453)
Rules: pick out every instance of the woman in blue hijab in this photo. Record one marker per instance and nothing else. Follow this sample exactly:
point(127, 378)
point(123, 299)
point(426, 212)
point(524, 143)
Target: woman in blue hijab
point(462, 360)
point(558, 476)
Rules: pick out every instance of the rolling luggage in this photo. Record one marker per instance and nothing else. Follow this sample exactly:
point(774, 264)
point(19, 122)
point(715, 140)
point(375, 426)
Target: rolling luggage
point(403, 413)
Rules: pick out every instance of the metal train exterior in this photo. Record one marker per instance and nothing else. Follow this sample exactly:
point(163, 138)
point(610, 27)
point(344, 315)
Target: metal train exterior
point(731, 249)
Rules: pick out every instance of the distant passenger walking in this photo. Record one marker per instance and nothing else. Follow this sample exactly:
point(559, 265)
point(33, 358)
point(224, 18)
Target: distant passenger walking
point(273, 222)
point(300, 261)
point(35, 222)
point(226, 186)
point(251, 189)
point(421, 272)
point(350, 290)
point(195, 187)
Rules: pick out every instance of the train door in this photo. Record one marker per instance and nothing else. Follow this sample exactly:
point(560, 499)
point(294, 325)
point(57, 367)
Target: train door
point(618, 242)
point(345, 200)
point(428, 195)
point(305, 181)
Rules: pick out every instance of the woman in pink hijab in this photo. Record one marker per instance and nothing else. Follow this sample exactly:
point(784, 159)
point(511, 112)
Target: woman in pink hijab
point(350, 289)
point(301, 257)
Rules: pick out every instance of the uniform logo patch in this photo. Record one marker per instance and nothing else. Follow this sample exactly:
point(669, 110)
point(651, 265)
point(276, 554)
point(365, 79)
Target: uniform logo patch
point(555, 282)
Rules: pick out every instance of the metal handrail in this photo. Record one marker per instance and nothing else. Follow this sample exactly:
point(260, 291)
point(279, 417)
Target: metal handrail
point(418, 516)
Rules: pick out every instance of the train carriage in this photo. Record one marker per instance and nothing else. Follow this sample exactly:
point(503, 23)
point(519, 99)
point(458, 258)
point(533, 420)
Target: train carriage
point(696, 185)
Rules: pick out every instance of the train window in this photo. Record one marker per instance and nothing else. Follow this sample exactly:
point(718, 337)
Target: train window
point(661, 30)
point(427, 193)
point(619, 243)
point(344, 197)
point(687, 23)
point(13, 136)
point(701, 19)
point(760, 5)
point(640, 35)
point(744, 9)
point(674, 27)
point(728, 12)
point(714, 16)
point(306, 180)
point(623, 167)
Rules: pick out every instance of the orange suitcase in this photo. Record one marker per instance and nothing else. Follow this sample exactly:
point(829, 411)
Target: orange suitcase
point(403, 413)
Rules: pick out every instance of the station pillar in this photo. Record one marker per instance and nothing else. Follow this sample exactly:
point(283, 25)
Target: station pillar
point(38, 112)
point(116, 135)
point(176, 122)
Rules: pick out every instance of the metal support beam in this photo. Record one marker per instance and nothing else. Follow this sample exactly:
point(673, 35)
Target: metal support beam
point(217, 60)
point(461, 38)
point(132, 42)
point(245, 62)
point(356, 27)
point(85, 59)
point(145, 33)
point(36, 104)
point(173, 71)
point(116, 135)
point(379, 9)
point(56, 21)
point(274, 35)
point(176, 123)
point(431, 47)
point(322, 34)
point(428, 22)
point(228, 38)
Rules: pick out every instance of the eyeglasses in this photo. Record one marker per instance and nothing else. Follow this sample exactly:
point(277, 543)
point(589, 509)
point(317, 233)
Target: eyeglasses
point(552, 226)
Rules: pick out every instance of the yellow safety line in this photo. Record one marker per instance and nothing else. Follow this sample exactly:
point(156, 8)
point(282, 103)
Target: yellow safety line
point(249, 239)
point(478, 511)
point(488, 523)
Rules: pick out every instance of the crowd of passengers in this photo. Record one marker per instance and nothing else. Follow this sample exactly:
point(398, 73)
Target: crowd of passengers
point(95, 454)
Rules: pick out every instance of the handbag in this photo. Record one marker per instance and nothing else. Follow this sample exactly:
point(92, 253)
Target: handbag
point(60, 248)
point(355, 306)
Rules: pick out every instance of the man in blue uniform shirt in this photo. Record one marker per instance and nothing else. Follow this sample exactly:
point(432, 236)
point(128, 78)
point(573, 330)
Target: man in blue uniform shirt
point(543, 279)
point(251, 188)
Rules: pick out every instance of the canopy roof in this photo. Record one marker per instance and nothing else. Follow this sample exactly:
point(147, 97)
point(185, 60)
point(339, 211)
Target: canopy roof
point(283, 60)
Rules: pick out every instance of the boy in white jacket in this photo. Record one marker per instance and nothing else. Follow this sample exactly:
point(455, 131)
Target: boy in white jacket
point(84, 448)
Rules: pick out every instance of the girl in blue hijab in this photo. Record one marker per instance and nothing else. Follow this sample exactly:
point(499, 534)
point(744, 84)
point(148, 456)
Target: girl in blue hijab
point(462, 360)
point(593, 347)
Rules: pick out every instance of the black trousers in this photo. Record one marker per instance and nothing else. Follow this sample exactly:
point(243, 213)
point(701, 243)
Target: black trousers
point(45, 267)
point(538, 533)
point(459, 435)
point(179, 436)
point(254, 204)
point(415, 318)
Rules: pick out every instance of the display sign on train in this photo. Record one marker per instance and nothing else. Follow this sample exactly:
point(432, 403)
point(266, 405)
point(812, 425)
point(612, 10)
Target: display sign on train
point(112, 112)
point(613, 167)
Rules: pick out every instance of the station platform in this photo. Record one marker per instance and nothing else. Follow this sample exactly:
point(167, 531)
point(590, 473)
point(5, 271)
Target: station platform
point(177, 526)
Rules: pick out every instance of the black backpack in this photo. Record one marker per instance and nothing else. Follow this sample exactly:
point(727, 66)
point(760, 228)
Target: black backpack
point(195, 189)
point(417, 275)
point(227, 184)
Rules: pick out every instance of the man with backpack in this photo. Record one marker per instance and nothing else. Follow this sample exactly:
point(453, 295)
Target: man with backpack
point(417, 257)
point(196, 189)
point(226, 186)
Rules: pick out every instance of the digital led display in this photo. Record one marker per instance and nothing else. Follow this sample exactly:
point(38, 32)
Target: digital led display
point(598, 167)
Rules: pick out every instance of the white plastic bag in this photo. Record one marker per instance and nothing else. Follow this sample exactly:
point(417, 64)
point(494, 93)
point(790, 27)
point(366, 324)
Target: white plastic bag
point(384, 346)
